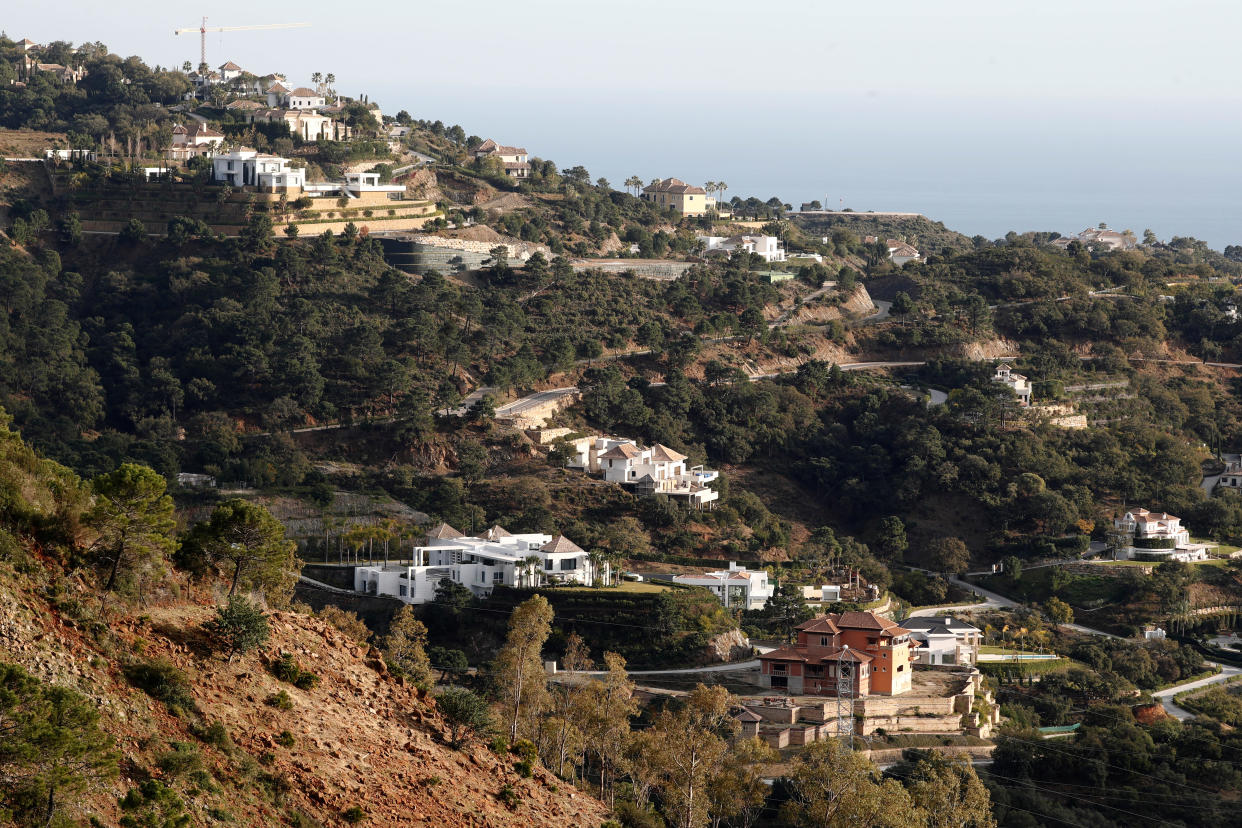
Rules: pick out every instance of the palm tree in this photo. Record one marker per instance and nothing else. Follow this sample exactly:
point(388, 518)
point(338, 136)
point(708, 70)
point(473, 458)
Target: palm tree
point(317, 79)
point(596, 558)
point(635, 182)
point(722, 188)
point(330, 79)
point(530, 569)
point(710, 186)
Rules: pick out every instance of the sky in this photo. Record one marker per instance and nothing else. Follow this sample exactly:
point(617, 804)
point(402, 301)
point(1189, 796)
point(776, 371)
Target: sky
point(1007, 114)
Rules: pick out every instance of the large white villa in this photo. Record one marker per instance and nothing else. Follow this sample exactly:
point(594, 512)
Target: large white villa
point(655, 470)
point(944, 639)
point(1156, 536)
point(480, 563)
point(1018, 382)
point(736, 586)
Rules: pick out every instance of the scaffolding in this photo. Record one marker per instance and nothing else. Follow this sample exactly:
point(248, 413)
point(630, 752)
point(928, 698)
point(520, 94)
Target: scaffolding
point(846, 694)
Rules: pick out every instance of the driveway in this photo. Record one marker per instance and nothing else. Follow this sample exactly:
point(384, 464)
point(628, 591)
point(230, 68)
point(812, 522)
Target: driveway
point(1180, 713)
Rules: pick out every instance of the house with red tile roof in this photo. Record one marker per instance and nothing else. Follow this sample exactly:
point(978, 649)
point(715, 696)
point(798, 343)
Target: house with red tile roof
point(1156, 536)
point(515, 160)
point(874, 654)
point(674, 193)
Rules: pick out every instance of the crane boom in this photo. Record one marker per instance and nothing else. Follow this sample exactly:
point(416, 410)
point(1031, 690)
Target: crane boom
point(203, 30)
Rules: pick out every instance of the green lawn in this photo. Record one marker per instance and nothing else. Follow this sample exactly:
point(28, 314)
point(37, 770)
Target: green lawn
point(624, 586)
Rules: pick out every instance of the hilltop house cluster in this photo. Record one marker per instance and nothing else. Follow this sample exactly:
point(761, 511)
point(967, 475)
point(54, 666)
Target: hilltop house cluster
point(480, 564)
point(1155, 536)
point(31, 65)
point(1057, 414)
point(736, 586)
point(1098, 237)
point(768, 248)
point(648, 471)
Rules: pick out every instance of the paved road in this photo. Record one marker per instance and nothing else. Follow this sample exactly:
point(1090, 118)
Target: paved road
point(530, 401)
point(1180, 713)
point(715, 668)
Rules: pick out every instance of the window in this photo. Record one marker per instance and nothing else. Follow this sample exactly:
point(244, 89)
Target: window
point(549, 564)
point(779, 668)
point(569, 564)
point(780, 681)
point(823, 641)
point(404, 591)
point(498, 577)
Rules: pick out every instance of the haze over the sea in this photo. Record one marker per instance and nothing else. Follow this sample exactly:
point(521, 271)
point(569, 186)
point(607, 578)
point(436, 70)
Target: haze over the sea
point(987, 116)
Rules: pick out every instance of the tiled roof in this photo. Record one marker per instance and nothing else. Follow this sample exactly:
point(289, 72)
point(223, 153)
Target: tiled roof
point(621, 451)
point(561, 546)
point(497, 532)
point(822, 624)
point(278, 88)
point(230, 67)
point(745, 715)
point(444, 532)
point(303, 92)
point(856, 620)
point(675, 186)
point(662, 452)
point(787, 653)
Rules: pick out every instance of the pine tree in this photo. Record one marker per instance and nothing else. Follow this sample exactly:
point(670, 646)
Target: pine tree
point(134, 518)
point(249, 544)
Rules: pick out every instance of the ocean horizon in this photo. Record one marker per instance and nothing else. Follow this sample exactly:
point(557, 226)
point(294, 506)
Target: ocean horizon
point(980, 167)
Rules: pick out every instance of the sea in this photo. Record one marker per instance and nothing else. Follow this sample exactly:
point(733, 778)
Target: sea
point(982, 165)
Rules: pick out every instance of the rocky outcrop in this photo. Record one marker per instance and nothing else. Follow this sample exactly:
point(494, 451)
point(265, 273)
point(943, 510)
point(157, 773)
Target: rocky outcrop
point(728, 646)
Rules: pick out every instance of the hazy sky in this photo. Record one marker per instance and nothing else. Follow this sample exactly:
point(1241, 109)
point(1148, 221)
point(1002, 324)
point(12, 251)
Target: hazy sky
point(989, 115)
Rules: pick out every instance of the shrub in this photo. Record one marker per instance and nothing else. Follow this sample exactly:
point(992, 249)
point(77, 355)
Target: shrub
point(508, 796)
point(285, 739)
point(353, 815)
point(239, 626)
point(466, 713)
point(182, 759)
point(287, 669)
point(528, 753)
point(152, 803)
point(164, 682)
point(280, 701)
point(214, 734)
point(347, 622)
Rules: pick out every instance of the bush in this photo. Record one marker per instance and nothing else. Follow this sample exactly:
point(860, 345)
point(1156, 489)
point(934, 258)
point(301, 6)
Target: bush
point(214, 734)
point(164, 682)
point(287, 669)
point(508, 796)
point(280, 701)
point(529, 754)
point(353, 815)
point(182, 759)
point(239, 626)
point(466, 713)
point(347, 622)
point(285, 739)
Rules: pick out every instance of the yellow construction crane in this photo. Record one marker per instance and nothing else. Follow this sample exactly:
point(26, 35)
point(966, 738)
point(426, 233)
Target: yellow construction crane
point(203, 30)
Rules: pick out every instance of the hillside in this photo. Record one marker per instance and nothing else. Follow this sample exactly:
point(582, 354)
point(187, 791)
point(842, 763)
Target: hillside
point(360, 737)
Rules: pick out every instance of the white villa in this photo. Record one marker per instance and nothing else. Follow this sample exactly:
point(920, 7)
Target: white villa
point(249, 168)
point(1018, 382)
point(194, 140)
point(515, 160)
point(736, 586)
point(1156, 536)
point(767, 247)
point(480, 564)
point(655, 470)
point(944, 639)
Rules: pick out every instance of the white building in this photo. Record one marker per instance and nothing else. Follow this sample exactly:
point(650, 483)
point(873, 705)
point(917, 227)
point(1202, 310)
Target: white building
point(303, 98)
point(514, 159)
point(496, 558)
point(658, 470)
point(194, 140)
point(249, 168)
point(1156, 536)
point(1231, 478)
point(766, 247)
point(1020, 385)
point(229, 71)
point(1152, 633)
point(736, 586)
point(944, 639)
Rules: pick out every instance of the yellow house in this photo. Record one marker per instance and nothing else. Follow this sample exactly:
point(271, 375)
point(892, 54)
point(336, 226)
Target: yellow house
point(682, 197)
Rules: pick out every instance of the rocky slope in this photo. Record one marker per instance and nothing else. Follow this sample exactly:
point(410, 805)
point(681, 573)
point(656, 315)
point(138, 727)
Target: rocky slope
point(359, 738)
